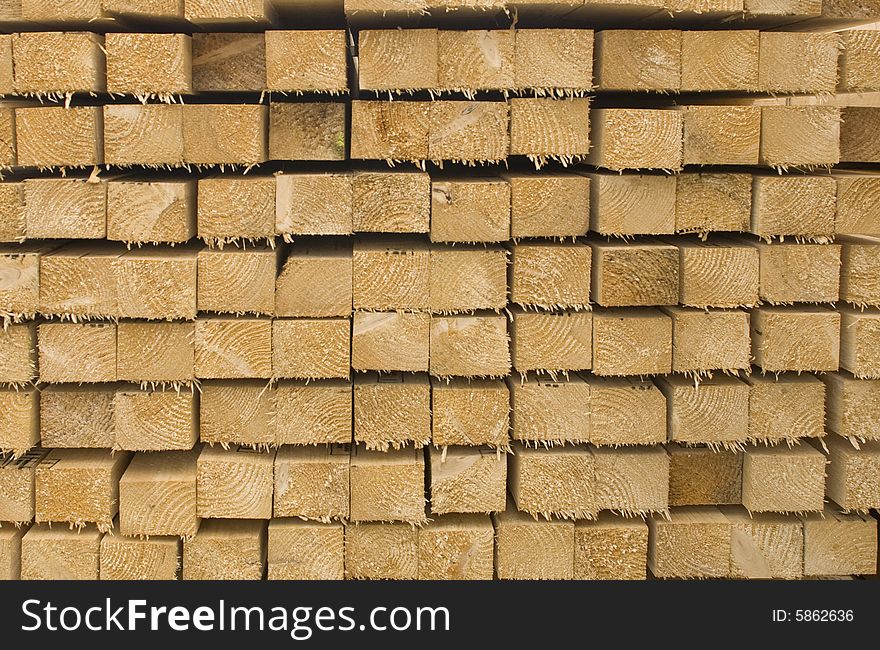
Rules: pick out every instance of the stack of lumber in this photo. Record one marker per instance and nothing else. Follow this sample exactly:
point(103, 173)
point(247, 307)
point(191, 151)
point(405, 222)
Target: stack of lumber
point(400, 289)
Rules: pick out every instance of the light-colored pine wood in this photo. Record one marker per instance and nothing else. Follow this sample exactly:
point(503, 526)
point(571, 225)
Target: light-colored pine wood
point(390, 341)
point(551, 342)
point(629, 204)
point(801, 136)
point(17, 485)
point(13, 226)
point(713, 202)
point(392, 411)
point(8, 137)
point(721, 135)
point(157, 495)
point(859, 334)
point(61, 11)
point(718, 273)
point(634, 274)
point(238, 280)
point(228, 61)
point(470, 210)
point(226, 12)
point(703, 341)
point(77, 352)
point(313, 412)
point(218, 134)
point(397, 59)
point(467, 278)
point(10, 553)
point(152, 9)
point(631, 481)
point(226, 550)
point(237, 207)
point(785, 407)
point(389, 274)
point(155, 420)
point(859, 61)
point(476, 59)
point(629, 59)
point(78, 67)
point(18, 353)
point(155, 352)
point(315, 281)
point(7, 71)
point(858, 205)
point(780, 479)
point(305, 550)
point(631, 342)
point(305, 60)
point(470, 412)
point(149, 64)
point(554, 482)
point(381, 551)
point(393, 131)
point(305, 348)
point(60, 554)
point(470, 132)
point(724, 60)
point(610, 548)
point(765, 545)
point(388, 486)
point(853, 406)
point(533, 196)
point(548, 412)
point(702, 476)
point(795, 339)
point(20, 279)
point(797, 206)
point(74, 416)
point(553, 60)
point(468, 480)
point(79, 486)
point(65, 208)
point(391, 202)
point(235, 483)
point(695, 542)
point(715, 411)
point(158, 283)
point(858, 133)
point(839, 544)
point(469, 346)
point(798, 62)
point(312, 482)
point(853, 474)
point(237, 412)
point(233, 348)
point(80, 279)
point(550, 275)
point(53, 136)
point(542, 128)
point(799, 272)
point(124, 558)
point(529, 549)
point(626, 411)
point(457, 547)
point(313, 204)
point(19, 419)
point(144, 134)
point(151, 212)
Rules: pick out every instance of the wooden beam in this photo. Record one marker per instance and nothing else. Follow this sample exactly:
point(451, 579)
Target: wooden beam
point(77, 352)
point(391, 202)
point(19, 419)
point(305, 550)
point(795, 339)
point(237, 412)
point(718, 273)
point(632, 481)
point(637, 274)
point(797, 62)
point(13, 226)
point(390, 341)
point(610, 548)
point(702, 476)
point(853, 474)
point(695, 542)
point(155, 420)
point(467, 278)
point(626, 411)
point(237, 280)
point(721, 135)
point(7, 69)
point(392, 411)
point(392, 131)
point(10, 553)
point(468, 131)
point(79, 66)
point(554, 60)
point(457, 547)
point(796, 206)
point(226, 13)
point(20, 280)
point(233, 348)
point(630, 59)
point(554, 482)
point(306, 60)
point(853, 406)
point(151, 212)
point(529, 549)
point(158, 283)
point(550, 275)
point(468, 480)
point(124, 558)
point(714, 412)
point(389, 274)
point(801, 136)
point(18, 353)
point(470, 412)
point(74, 416)
point(630, 204)
point(17, 477)
point(779, 479)
point(476, 59)
point(152, 10)
point(470, 210)
point(144, 134)
point(839, 544)
point(785, 407)
point(397, 59)
point(545, 129)
point(533, 196)
point(149, 65)
point(315, 281)
point(703, 341)
point(388, 551)
point(860, 125)
point(858, 205)
point(155, 352)
point(80, 279)
point(631, 342)
point(228, 61)
point(226, 549)
point(306, 348)
point(859, 332)
point(59, 554)
point(53, 136)
point(859, 61)
point(550, 412)
point(235, 483)
point(225, 134)
point(65, 208)
point(713, 202)
point(313, 204)
point(312, 482)
point(799, 272)
point(388, 486)
point(469, 346)
point(551, 342)
point(765, 545)
point(234, 208)
point(723, 60)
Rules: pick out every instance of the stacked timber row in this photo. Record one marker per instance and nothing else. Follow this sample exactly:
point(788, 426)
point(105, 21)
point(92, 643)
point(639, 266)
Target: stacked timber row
point(399, 289)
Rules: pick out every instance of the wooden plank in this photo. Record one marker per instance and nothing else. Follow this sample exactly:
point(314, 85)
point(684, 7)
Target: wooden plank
point(713, 202)
point(397, 59)
point(839, 544)
point(468, 278)
point(20, 419)
point(158, 283)
point(155, 352)
point(234, 483)
point(237, 412)
point(315, 281)
point(144, 134)
point(226, 549)
point(702, 476)
point(20, 280)
point(474, 59)
point(53, 136)
point(529, 549)
point(77, 352)
point(74, 416)
point(797, 206)
point(391, 202)
point(305, 550)
point(858, 131)
point(234, 208)
point(148, 65)
point(468, 480)
point(470, 210)
point(721, 135)
point(79, 486)
point(714, 412)
point(853, 406)
point(392, 411)
point(785, 408)
point(225, 134)
point(124, 558)
point(793, 62)
point(13, 226)
point(703, 340)
point(80, 280)
point(765, 545)
point(630, 204)
point(631, 342)
point(375, 551)
point(469, 346)
point(554, 61)
point(468, 132)
point(151, 212)
point(155, 420)
point(312, 482)
point(853, 474)
point(550, 275)
point(858, 205)
point(610, 548)
point(391, 274)
point(550, 412)
point(694, 542)
point(859, 271)
point(392, 131)
point(305, 348)
point(10, 553)
point(18, 358)
point(801, 136)
point(7, 71)
point(554, 482)
point(224, 13)
point(626, 411)
point(795, 339)
point(65, 208)
point(859, 61)
point(718, 273)
point(79, 69)
point(152, 10)
point(17, 486)
point(780, 479)
point(228, 61)
point(631, 59)
point(551, 342)
point(545, 129)
point(799, 272)
point(859, 332)
point(59, 554)
point(723, 60)
point(632, 481)
point(233, 348)
point(306, 60)
point(533, 196)
point(642, 273)
point(313, 204)
point(387, 486)
point(470, 412)
point(390, 341)
point(157, 495)
point(457, 547)
point(237, 280)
